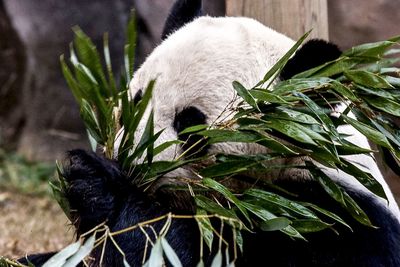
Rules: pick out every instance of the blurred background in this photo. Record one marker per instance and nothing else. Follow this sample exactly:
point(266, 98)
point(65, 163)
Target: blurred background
point(39, 119)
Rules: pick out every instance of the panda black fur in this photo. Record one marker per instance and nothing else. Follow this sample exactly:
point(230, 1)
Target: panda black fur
point(194, 67)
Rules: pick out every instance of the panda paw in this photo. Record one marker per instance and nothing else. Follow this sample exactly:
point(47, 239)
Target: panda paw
point(94, 187)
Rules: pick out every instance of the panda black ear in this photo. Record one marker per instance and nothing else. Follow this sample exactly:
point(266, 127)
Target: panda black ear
point(182, 12)
point(312, 54)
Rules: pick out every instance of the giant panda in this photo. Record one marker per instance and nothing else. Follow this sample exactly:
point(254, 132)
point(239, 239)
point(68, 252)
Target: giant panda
point(194, 67)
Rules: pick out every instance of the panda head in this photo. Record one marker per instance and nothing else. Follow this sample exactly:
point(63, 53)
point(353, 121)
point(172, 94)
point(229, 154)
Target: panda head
point(194, 68)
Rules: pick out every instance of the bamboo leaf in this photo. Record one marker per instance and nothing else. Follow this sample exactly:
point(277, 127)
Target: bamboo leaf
point(331, 68)
point(265, 215)
point(61, 257)
point(90, 118)
point(130, 46)
point(228, 195)
point(282, 62)
point(281, 201)
point(292, 115)
point(264, 95)
point(369, 132)
point(245, 94)
point(166, 145)
point(156, 255)
point(212, 207)
point(371, 50)
point(227, 168)
point(296, 131)
point(83, 251)
point(206, 229)
point(364, 178)
point(327, 184)
point(194, 129)
point(107, 58)
point(354, 209)
point(309, 226)
point(367, 79)
point(170, 253)
point(89, 57)
point(275, 224)
point(322, 116)
point(328, 214)
point(385, 105)
point(217, 261)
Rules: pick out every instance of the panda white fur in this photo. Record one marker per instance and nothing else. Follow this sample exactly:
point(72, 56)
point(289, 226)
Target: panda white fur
point(194, 68)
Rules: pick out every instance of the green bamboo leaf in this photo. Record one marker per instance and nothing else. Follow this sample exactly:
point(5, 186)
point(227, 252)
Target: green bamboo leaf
point(347, 148)
point(159, 149)
point(296, 131)
point(328, 214)
point(264, 95)
point(206, 229)
point(265, 215)
point(148, 138)
point(130, 46)
point(194, 129)
point(212, 207)
point(276, 224)
point(327, 183)
point(354, 209)
point(244, 136)
point(364, 178)
point(339, 194)
point(90, 118)
point(245, 94)
point(344, 91)
point(389, 135)
point(371, 50)
point(131, 123)
point(92, 141)
point(158, 168)
point(291, 115)
point(386, 105)
point(222, 136)
point(210, 183)
point(309, 226)
point(60, 197)
point(90, 87)
point(375, 92)
point(300, 85)
point(89, 57)
point(106, 51)
point(227, 168)
point(369, 132)
point(367, 79)
point(170, 253)
point(72, 83)
point(281, 201)
point(127, 108)
point(394, 81)
point(331, 68)
point(282, 62)
point(321, 115)
point(378, 65)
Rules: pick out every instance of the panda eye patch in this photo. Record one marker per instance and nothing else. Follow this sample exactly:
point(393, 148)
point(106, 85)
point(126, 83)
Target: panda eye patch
point(137, 97)
point(190, 116)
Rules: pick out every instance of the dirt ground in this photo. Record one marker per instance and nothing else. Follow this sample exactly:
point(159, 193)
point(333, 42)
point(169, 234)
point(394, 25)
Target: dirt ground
point(31, 224)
